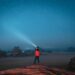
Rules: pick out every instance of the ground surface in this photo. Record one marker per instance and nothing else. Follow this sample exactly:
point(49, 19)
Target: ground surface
point(52, 60)
point(36, 70)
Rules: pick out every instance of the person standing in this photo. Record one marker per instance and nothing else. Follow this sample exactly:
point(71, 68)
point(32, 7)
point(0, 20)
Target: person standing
point(37, 56)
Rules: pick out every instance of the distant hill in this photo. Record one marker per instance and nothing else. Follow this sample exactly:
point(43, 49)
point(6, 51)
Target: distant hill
point(71, 49)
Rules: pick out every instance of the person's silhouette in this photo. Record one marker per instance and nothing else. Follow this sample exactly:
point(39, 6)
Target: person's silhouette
point(37, 55)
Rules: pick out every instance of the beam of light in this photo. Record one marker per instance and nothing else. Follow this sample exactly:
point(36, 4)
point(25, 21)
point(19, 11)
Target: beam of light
point(22, 37)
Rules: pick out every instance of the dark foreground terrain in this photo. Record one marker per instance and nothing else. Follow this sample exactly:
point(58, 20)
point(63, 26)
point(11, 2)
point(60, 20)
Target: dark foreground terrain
point(51, 64)
point(36, 70)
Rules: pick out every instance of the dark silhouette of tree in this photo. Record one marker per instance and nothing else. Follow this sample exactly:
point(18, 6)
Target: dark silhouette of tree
point(71, 65)
point(71, 49)
point(16, 51)
point(2, 53)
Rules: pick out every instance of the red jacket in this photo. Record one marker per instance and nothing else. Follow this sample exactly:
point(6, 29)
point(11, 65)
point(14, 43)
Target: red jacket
point(37, 53)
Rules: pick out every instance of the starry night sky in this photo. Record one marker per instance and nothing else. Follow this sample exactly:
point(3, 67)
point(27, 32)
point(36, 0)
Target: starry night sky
point(47, 23)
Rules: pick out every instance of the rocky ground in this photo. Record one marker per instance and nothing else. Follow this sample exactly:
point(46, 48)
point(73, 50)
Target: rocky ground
point(36, 70)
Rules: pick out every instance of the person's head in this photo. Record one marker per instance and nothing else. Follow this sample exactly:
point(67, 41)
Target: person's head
point(37, 49)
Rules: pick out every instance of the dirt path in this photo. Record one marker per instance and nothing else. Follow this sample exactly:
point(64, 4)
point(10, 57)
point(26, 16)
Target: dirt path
point(36, 70)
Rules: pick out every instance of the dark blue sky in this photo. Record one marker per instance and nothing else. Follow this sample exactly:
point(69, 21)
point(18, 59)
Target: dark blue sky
point(47, 23)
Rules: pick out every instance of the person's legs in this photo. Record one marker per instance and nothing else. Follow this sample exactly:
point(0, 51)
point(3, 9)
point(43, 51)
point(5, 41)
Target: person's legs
point(35, 60)
point(38, 59)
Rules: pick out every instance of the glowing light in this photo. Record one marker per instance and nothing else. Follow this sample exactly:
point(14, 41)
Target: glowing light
point(22, 37)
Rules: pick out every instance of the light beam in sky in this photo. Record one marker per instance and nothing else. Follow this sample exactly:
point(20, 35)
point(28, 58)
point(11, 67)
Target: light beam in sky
point(22, 36)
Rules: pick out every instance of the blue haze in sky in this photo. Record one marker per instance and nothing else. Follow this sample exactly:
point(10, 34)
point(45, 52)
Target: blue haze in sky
point(47, 23)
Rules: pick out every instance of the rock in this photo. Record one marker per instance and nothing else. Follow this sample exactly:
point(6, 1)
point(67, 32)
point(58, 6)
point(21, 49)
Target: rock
point(36, 70)
point(71, 65)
